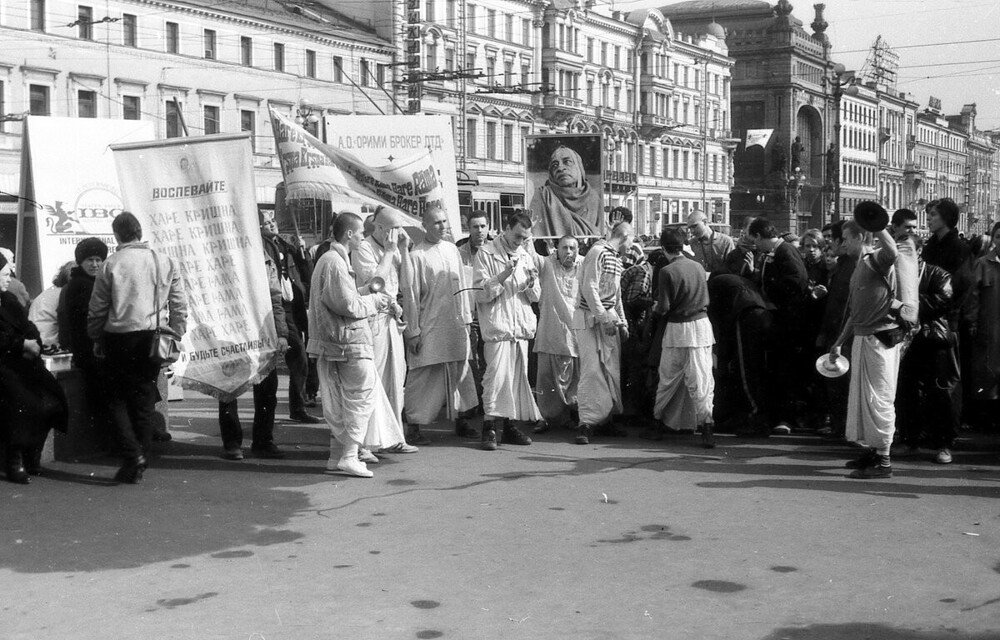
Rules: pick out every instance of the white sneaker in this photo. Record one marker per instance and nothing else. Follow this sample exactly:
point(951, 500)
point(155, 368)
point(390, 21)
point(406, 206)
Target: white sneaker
point(782, 429)
point(943, 456)
point(349, 467)
point(366, 456)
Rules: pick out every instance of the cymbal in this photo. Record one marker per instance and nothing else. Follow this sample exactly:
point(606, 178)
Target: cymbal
point(871, 216)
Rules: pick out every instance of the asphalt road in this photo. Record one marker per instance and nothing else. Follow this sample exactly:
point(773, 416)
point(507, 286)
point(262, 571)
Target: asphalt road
point(757, 539)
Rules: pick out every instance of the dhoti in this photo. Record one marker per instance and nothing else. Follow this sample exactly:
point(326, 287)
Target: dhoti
point(506, 390)
point(556, 384)
point(686, 392)
point(450, 384)
point(599, 393)
point(390, 358)
point(871, 410)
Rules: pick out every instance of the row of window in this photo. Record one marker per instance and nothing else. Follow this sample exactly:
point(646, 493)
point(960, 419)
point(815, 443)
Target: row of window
point(369, 72)
point(940, 139)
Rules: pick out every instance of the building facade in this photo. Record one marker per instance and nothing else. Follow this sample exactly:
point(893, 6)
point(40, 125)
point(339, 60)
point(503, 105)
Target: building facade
point(193, 68)
point(507, 69)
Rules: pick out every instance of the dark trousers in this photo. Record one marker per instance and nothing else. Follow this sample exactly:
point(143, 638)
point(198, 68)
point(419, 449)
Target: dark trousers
point(132, 393)
point(928, 398)
point(312, 379)
point(265, 399)
point(478, 359)
point(298, 367)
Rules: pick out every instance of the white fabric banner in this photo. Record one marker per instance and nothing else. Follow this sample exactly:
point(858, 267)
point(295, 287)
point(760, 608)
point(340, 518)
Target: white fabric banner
point(69, 180)
point(758, 137)
point(403, 162)
point(195, 200)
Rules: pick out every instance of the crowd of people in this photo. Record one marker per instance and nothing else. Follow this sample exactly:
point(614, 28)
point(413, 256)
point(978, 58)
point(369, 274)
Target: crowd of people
point(701, 334)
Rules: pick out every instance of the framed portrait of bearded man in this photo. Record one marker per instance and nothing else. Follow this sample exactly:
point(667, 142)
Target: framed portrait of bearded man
point(565, 185)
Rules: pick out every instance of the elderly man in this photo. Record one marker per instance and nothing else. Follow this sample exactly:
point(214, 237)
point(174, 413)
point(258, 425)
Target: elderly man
point(875, 355)
point(383, 255)
point(555, 344)
point(479, 231)
point(686, 392)
point(507, 283)
point(710, 247)
point(439, 318)
point(599, 325)
point(340, 337)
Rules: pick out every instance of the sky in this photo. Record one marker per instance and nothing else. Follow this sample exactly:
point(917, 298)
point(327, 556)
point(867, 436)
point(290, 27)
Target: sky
point(949, 49)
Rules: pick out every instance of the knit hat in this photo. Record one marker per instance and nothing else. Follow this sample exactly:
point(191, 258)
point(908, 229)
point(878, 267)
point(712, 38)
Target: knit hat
point(90, 247)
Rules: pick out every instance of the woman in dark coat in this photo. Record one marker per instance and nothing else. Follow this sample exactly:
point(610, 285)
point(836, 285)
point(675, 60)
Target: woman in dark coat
point(31, 401)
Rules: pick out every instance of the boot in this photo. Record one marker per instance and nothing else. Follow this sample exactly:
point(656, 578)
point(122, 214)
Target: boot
point(489, 436)
point(513, 435)
point(131, 471)
point(33, 461)
point(708, 435)
point(583, 434)
point(15, 467)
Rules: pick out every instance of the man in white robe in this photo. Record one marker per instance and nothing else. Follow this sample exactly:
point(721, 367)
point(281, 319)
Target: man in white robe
point(555, 344)
point(507, 283)
point(382, 255)
point(437, 330)
point(599, 324)
point(340, 338)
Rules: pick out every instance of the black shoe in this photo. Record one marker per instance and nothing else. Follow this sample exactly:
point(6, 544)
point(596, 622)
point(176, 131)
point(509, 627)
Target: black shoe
point(708, 435)
point(15, 467)
point(415, 438)
point(304, 418)
point(269, 450)
point(542, 426)
point(131, 471)
point(310, 402)
point(872, 472)
point(866, 459)
point(464, 429)
point(583, 434)
point(610, 430)
point(162, 436)
point(513, 435)
point(33, 461)
point(488, 441)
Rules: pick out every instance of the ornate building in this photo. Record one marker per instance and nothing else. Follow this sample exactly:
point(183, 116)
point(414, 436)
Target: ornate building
point(192, 67)
point(781, 84)
point(506, 69)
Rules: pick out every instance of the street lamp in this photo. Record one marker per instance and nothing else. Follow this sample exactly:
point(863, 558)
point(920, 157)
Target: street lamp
point(843, 82)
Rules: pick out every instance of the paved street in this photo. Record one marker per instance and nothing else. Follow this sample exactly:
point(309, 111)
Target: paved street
point(757, 540)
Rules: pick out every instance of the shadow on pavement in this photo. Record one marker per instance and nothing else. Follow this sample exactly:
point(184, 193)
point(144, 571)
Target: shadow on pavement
point(862, 631)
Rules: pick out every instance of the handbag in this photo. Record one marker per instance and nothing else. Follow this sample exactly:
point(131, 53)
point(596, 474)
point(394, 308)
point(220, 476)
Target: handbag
point(166, 347)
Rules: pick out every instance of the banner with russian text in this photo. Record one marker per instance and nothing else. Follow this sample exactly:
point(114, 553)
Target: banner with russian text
point(195, 200)
point(758, 137)
point(403, 162)
point(69, 189)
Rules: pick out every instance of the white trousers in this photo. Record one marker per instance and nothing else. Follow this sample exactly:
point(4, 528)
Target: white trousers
point(556, 384)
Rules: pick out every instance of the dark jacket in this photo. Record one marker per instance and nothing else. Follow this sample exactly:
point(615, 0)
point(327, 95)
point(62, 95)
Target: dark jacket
point(838, 293)
point(31, 401)
point(952, 254)
point(74, 300)
point(292, 263)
